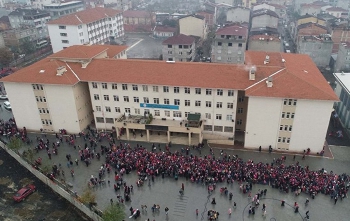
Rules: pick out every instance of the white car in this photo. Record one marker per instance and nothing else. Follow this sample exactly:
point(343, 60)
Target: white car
point(7, 105)
point(3, 97)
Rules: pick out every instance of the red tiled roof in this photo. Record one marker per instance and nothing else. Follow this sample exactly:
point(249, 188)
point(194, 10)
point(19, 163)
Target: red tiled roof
point(85, 16)
point(88, 51)
point(336, 9)
point(233, 30)
point(297, 77)
point(179, 39)
point(164, 29)
point(137, 14)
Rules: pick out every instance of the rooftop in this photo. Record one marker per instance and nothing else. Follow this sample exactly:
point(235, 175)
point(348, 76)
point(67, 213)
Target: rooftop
point(137, 14)
point(235, 30)
point(346, 45)
point(309, 16)
point(194, 16)
point(294, 75)
point(264, 38)
point(264, 11)
point(161, 28)
point(64, 3)
point(344, 79)
point(180, 39)
point(336, 9)
point(85, 16)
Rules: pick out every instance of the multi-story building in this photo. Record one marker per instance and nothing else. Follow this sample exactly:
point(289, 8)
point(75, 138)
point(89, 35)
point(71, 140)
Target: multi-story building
point(313, 8)
point(309, 29)
point(342, 108)
point(209, 17)
point(268, 43)
point(263, 18)
point(122, 5)
point(194, 25)
point(138, 21)
point(14, 38)
point(91, 26)
point(319, 48)
point(33, 17)
point(277, 99)
point(340, 32)
point(238, 14)
point(179, 48)
point(230, 44)
point(39, 4)
point(64, 8)
point(161, 31)
point(337, 12)
point(343, 59)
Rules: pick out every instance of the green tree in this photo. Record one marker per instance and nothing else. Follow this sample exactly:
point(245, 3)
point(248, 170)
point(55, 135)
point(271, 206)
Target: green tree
point(15, 143)
point(29, 155)
point(170, 23)
point(27, 47)
point(6, 56)
point(114, 212)
point(88, 197)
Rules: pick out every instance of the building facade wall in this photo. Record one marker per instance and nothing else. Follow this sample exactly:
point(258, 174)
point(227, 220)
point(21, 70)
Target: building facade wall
point(228, 50)
point(59, 42)
point(339, 35)
point(238, 15)
point(343, 59)
point(343, 107)
point(320, 52)
point(264, 21)
point(193, 26)
point(175, 53)
point(264, 45)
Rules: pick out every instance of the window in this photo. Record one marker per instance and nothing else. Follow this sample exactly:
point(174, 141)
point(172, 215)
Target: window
point(279, 140)
point(230, 93)
point(230, 105)
point(198, 91)
point(127, 110)
point(229, 117)
point(44, 99)
point(294, 102)
point(63, 34)
point(134, 87)
point(98, 108)
point(290, 101)
point(155, 88)
point(285, 101)
point(281, 127)
point(208, 127)
point(156, 113)
point(65, 41)
point(219, 92)
point(239, 122)
point(290, 128)
point(146, 100)
point(106, 97)
point(156, 100)
point(230, 44)
point(208, 103)
point(136, 99)
point(94, 85)
point(144, 87)
point(283, 114)
point(187, 90)
point(241, 99)
point(96, 97)
point(100, 120)
point(126, 99)
point(285, 127)
point(114, 86)
point(287, 115)
point(288, 140)
point(228, 129)
point(39, 110)
point(124, 87)
point(198, 103)
point(177, 113)
point(219, 43)
point(208, 116)
point(218, 128)
point(187, 103)
point(167, 113)
point(239, 45)
point(292, 115)
point(208, 91)
point(109, 120)
point(240, 110)
point(170, 46)
point(166, 101)
point(61, 27)
point(176, 90)
point(186, 114)
point(117, 109)
point(137, 111)
point(108, 109)
point(116, 97)
point(218, 117)
point(176, 101)
point(165, 89)
point(104, 86)
point(219, 105)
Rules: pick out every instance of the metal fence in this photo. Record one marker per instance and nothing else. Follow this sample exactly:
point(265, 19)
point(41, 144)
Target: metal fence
point(60, 188)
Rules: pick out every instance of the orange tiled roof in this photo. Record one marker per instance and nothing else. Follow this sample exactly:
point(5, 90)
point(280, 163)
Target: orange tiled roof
point(85, 16)
point(294, 77)
point(88, 51)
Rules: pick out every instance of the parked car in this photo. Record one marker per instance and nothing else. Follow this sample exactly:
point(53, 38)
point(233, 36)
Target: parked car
point(3, 97)
point(24, 193)
point(7, 105)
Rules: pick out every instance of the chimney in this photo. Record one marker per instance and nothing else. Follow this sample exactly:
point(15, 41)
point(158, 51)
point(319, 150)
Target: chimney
point(61, 70)
point(269, 81)
point(267, 59)
point(252, 71)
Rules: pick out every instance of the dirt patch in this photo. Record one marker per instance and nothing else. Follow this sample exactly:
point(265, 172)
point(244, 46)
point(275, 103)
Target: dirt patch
point(57, 214)
point(25, 181)
point(5, 180)
point(35, 197)
point(26, 214)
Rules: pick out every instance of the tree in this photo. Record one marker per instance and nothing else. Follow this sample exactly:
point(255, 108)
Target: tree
point(6, 56)
point(114, 212)
point(27, 47)
point(15, 143)
point(88, 197)
point(170, 23)
point(29, 155)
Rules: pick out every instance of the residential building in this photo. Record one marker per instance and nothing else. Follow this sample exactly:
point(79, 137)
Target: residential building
point(298, 3)
point(179, 48)
point(209, 17)
point(138, 21)
point(14, 38)
point(313, 8)
point(91, 26)
point(337, 12)
point(276, 100)
point(264, 18)
point(161, 31)
point(342, 108)
point(39, 4)
point(340, 32)
point(319, 48)
point(311, 18)
point(58, 10)
point(194, 25)
point(238, 14)
point(310, 29)
point(263, 31)
point(4, 23)
point(33, 17)
point(248, 3)
point(122, 5)
point(227, 2)
point(268, 43)
point(343, 59)
point(230, 44)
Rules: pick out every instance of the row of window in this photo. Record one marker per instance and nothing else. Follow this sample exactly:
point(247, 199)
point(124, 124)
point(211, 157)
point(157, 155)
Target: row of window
point(43, 111)
point(283, 140)
point(286, 128)
point(177, 90)
point(287, 115)
point(37, 87)
point(46, 122)
point(217, 128)
point(290, 102)
point(40, 99)
point(181, 46)
point(230, 44)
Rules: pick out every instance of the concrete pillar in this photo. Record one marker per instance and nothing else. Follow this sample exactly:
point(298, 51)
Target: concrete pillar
point(200, 137)
point(127, 134)
point(189, 138)
point(168, 132)
point(147, 135)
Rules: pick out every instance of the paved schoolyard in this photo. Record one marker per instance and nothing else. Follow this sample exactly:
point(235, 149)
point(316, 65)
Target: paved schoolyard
point(165, 192)
point(143, 46)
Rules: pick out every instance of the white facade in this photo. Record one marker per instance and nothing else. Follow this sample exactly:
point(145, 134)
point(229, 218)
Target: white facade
point(39, 4)
point(264, 20)
point(193, 26)
point(238, 14)
point(264, 6)
point(97, 32)
point(116, 107)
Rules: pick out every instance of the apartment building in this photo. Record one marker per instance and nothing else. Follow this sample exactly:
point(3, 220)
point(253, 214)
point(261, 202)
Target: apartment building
point(263, 18)
point(39, 4)
point(194, 25)
point(238, 14)
point(58, 10)
point(275, 99)
point(230, 44)
point(179, 48)
point(268, 43)
point(342, 108)
point(15, 37)
point(91, 26)
point(343, 59)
